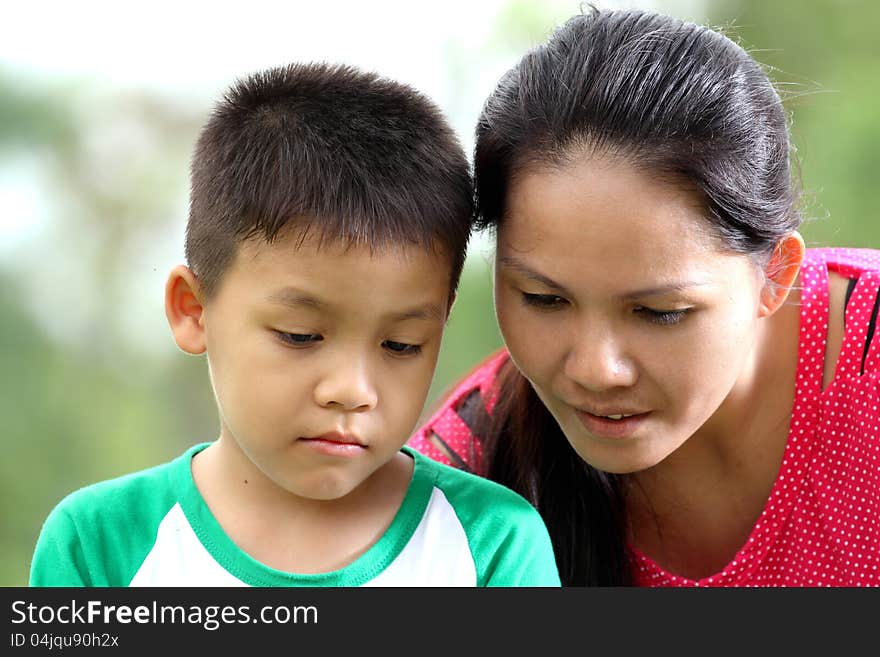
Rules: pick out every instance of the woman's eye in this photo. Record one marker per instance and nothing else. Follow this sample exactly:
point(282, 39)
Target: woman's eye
point(663, 317)
point(401, 348)
point(299, 339)
point(544, 301)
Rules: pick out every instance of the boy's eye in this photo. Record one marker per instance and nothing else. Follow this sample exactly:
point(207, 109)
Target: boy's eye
point(299, 339)
point(401, 348)
point(662, 317)
point(543, 301)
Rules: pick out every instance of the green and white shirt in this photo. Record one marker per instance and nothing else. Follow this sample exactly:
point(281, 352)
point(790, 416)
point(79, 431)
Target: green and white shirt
point(152, 528)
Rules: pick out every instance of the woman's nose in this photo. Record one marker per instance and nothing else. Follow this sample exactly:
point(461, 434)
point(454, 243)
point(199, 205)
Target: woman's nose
point(597, 361)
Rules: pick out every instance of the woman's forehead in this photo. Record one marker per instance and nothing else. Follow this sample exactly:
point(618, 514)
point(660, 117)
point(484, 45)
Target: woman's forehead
point(609, 225)
point(602, 204)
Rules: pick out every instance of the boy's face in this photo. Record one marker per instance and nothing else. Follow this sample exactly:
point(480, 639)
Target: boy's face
point(321, 360)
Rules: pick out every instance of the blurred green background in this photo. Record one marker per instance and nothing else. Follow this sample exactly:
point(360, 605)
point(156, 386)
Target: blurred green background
point(93, 186)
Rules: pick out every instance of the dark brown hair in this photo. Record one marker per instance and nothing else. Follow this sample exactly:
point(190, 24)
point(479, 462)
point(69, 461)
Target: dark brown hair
point(676, 100)
point(339, 153)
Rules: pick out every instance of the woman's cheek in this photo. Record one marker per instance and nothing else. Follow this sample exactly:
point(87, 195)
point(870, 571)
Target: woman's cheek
point(532, 341)
point(507, 321)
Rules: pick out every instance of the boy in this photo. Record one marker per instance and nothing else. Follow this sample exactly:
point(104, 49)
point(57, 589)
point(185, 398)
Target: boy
point(329, 218)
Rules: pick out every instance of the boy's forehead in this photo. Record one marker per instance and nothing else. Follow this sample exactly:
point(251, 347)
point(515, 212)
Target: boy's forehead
point(395, 277)
point(298, 298)
point(295, 267)
point(298, 241)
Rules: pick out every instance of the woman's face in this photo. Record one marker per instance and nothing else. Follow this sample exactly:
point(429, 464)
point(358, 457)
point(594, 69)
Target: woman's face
point(629, 318)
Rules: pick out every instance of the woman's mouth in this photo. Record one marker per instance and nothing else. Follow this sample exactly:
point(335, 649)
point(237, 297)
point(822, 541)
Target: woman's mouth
point(613, 425)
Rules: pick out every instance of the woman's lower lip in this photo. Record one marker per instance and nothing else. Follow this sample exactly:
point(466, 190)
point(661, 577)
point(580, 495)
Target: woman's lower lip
point(332, 448)
point(604, 427)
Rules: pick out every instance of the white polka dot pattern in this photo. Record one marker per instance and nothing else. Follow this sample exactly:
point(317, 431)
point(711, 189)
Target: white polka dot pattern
point(821, 523)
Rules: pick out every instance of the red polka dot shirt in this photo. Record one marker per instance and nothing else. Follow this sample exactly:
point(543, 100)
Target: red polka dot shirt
point(821, 523)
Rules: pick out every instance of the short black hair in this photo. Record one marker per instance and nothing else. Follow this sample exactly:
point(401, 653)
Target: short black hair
point(339, 153)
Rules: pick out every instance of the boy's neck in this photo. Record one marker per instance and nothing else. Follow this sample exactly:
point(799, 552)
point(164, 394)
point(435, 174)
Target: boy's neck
point(292, 533)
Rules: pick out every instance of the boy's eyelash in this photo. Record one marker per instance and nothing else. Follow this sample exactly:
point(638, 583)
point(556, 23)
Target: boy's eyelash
point(543, 301)
point(299, 339)
point(306, 339)
point(402, 348)
point(663, 317)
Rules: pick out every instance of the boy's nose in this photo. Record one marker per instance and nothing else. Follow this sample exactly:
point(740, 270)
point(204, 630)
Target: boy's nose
point(348, 385)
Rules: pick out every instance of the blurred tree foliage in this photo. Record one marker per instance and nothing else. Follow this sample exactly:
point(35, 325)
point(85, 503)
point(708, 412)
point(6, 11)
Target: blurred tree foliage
point(825, 60)
point(81, 401)
point(472, 332)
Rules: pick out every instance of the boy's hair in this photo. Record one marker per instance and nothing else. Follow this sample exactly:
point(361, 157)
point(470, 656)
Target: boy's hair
point(337, 153)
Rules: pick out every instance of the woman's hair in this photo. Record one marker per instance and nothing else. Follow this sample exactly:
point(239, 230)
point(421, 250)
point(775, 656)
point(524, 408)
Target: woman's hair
point(677, 101)
point(525, 449)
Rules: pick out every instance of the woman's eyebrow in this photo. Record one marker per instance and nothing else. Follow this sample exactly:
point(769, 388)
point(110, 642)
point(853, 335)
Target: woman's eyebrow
point(678, 286)
point(512, 262)
point(518, 265)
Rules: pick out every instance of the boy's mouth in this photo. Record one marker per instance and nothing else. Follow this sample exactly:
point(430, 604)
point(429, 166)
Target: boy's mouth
point(338, 438)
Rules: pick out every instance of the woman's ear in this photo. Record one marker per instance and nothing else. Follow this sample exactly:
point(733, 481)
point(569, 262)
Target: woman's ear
point(781, 273)
point(185, 310)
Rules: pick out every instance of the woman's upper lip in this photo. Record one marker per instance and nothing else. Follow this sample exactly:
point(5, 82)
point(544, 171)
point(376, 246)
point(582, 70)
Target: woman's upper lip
point(338, 437)
point(605, 411)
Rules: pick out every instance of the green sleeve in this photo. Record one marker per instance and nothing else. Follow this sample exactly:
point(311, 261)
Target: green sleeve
point(523, 558)
point(100, 534)
point(58, 558)
point(507, 537)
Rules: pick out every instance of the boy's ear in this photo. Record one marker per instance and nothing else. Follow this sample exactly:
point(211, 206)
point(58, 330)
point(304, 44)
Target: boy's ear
point(185, 310)
point(781, 273)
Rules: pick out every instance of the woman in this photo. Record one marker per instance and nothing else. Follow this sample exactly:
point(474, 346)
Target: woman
point(690, 397)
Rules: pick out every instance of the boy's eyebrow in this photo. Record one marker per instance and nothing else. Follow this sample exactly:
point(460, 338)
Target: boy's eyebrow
point(291, 296)
point(678, 286)
point(428, 311)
